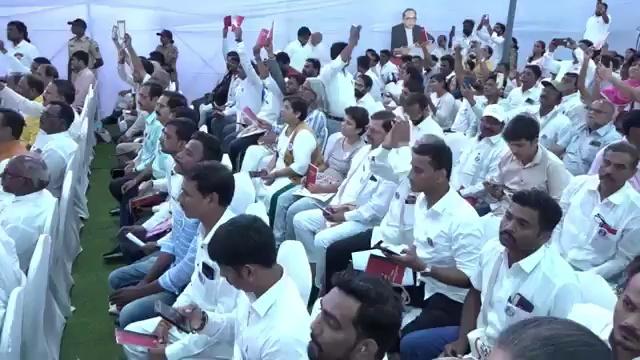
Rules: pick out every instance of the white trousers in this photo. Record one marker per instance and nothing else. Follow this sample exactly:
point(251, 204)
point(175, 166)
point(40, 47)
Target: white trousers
point(254, 158)
point(311, 229)
point(181, 345)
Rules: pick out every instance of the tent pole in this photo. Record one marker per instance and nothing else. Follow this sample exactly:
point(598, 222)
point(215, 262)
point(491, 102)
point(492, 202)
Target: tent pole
point(506, 53)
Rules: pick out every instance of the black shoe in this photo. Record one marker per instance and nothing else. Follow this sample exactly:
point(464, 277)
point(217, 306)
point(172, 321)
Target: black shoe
point(114, 211)
point(115, 254)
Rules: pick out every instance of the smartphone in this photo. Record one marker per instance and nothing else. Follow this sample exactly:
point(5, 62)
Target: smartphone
point(126, 337)
point(325, 209)
point(172, 315)
point(122, 29)
point(379, 246)
point(500, 80)
point(134, 239)
point(257, 174)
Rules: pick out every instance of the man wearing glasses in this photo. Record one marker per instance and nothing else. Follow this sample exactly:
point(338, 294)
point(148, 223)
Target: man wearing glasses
point(579, 146)
point(404, 36)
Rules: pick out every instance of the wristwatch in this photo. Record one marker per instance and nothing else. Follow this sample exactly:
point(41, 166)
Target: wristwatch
point(203, 322)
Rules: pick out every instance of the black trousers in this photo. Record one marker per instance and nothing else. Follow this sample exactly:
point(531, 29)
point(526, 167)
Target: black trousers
point(238, 147)
point(339, 254)
point(115, 187)
point(438, 311)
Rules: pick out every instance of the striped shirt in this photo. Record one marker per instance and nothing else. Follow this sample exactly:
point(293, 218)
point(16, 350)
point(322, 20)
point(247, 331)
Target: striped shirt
point(317, 121)
point(183, 234)
point(152, 133)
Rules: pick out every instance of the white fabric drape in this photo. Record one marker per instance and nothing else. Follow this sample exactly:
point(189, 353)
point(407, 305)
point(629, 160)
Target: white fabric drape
point(197, 25)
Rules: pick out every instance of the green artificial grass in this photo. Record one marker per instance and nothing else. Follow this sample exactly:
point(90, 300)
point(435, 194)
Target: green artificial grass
point(89, 334)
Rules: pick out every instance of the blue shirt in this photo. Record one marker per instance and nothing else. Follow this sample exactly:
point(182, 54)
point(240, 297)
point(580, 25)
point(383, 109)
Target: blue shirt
point(152, 132)
point(184, 232)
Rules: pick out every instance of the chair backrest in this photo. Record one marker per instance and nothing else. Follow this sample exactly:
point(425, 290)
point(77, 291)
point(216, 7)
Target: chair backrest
point(34, 345)
point(11, 338)
point(595, 290)
point(244, 193)
point(293, 258)
point(258, 209)
point(457, 142)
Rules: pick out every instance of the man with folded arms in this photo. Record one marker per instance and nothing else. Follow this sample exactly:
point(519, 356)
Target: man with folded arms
point(601, 224)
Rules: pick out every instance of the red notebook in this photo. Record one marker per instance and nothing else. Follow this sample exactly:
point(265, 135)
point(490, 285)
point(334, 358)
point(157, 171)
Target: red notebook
point(227, 21)
point(265, 36)
point(237, 21)
point(125, 337)
point(147, 200)
point(312, 175)
point(387, 269)
point(423, 37)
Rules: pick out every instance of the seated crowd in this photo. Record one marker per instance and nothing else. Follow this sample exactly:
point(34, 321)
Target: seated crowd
point(501, 195)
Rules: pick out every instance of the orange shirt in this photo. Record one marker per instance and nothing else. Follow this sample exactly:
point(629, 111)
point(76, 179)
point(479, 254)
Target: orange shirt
point(11, 149)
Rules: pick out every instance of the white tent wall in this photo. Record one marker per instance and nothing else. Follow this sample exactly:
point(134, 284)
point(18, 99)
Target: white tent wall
point(197, 25)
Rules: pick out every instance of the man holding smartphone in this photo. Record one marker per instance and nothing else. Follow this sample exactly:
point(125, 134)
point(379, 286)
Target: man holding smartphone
point(597, 28)
point(207, 191)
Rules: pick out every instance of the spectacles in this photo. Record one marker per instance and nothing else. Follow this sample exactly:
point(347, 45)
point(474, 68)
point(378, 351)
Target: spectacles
point(411, 18)
point(597, 111)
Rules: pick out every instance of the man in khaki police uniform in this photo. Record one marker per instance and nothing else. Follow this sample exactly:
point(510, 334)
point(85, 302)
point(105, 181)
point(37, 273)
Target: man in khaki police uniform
point(82, 42)
point(170, 52)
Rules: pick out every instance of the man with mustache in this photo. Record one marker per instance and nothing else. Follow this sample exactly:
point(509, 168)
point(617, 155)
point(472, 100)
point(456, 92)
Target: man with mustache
point(601, 222)
point(359, 319)
point(516, 279)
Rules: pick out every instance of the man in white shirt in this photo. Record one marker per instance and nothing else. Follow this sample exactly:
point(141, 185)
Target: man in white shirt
point(361, 202)
point(299, 50)
point(58, 147)
point(468, 37)
point(206, 194)
point(572, 105)
point(601, 221)
point(364, 68)
point(20, 54)
point(518, 278)
point(471, 110)
point(271, 320)
point(493, 37)
point(359, 318)
point(447, 238)
point(362, 90)
point(388, 71)
point(24, 217)
point(480, 159)
point(553, 123)
point(337, 81)
point(526, 95)
point(597, 28)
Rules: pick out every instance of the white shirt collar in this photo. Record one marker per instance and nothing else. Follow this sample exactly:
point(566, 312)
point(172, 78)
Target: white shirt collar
point(262, 304)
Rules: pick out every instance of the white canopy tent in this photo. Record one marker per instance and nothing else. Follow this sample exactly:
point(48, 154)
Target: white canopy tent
point(197, 25)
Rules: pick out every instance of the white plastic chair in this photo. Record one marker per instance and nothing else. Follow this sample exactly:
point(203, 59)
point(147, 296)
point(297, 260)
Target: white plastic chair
point(66, 246)
point(293, 258)
point(457, 143)
point(596, 290)
point(34, 343)
point(11, 338)
point(244, 193)
point(258, 210)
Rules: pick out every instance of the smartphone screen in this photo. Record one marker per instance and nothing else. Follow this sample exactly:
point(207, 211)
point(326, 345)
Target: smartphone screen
point(171, 315)
point(255, 174)
point(122, 29)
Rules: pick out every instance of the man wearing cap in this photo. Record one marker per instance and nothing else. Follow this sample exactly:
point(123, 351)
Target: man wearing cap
point(553, 123)
point(480, 159)
point(82, 42)
point(170, 53)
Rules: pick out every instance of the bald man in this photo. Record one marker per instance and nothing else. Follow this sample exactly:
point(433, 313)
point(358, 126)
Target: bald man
point(23, 217)
point(579, 146)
